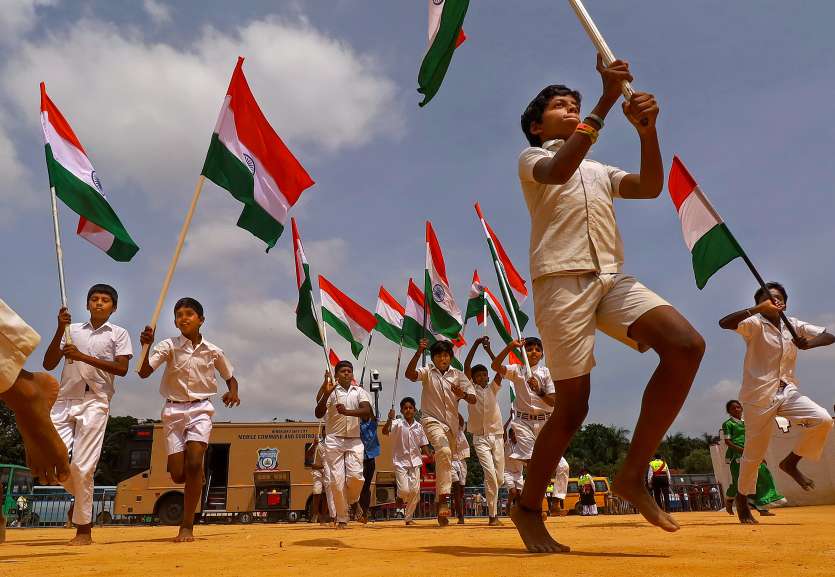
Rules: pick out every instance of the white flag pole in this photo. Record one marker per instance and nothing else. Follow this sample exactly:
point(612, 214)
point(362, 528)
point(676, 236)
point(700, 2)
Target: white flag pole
point(365, 359)
point(59, 254)
point(598, 41)
point(173, 264)
point(514, 320)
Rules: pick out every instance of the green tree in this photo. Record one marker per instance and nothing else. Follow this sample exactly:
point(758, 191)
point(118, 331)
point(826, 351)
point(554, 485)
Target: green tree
point(116, 436)
point(11, 445)
point(698, 462)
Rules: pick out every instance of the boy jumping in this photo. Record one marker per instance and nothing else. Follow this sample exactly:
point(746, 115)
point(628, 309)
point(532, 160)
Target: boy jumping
point(769, 389)
point(100, 351)
point(576, 260)
point(187, 386)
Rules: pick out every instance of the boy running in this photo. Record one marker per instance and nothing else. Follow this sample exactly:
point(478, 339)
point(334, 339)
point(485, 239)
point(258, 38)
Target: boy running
point(576, 259)
point(187, 386)
point(343, 405)
point(769, 389)
point(443, 386)
point(100, 351)
point(459, 469)
point(408, 442)
point(514, 480)
point(485, 425)
point(316, 458)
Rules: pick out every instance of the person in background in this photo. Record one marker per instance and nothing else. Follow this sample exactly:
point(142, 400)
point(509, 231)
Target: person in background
point(371, 450)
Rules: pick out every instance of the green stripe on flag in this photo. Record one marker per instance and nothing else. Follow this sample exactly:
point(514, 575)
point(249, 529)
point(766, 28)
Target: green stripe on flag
point(716, 248)
point(89, 203)
point(342, 330)
point(391, 332)
point(440, 320)
point(305, 319)
point(437, 58)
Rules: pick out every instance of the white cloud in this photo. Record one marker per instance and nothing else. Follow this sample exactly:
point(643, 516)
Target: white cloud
point(158, 12)
point(17, 17)
point(145, 111)
point(18, 192)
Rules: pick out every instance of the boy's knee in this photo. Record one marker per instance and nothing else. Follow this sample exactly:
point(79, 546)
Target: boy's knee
point(193, 467)
point(684, 344)
point(444, 454)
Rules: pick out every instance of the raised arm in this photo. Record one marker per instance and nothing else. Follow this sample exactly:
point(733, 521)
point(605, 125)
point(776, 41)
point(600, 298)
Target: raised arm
point(53, 354)
point(322, 396)
point(642, 112)
point(822, 340)
point(146, 338)
point(387, 425)
point(411, 369)
point(468, 361)
point(498, 361)
point(731, 321)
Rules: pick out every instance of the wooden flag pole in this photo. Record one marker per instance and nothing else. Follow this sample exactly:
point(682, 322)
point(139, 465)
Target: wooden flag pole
point(173, 264)
point(59, 254)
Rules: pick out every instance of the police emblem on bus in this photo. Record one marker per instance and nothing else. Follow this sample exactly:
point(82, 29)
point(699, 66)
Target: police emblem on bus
point(267, 459)
point(250, 164)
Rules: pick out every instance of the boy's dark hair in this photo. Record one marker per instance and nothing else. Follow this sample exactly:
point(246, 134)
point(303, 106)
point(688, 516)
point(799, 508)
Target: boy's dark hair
point(533, 341)
point(440, 347)
point(341, 364)
point(729, 403)
point(105, 289)
point(758, 296)
point(189, 303)
point(405, 400)
point(478, 369)
point(533, 113)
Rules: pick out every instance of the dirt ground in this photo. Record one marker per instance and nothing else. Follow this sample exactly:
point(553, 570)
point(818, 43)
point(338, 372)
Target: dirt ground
point(798, 541)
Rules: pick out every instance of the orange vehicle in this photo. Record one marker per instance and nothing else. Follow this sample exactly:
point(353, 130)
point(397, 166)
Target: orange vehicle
point(602, 492)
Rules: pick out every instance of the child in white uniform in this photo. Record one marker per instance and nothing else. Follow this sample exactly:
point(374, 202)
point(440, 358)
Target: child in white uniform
point(408, 442)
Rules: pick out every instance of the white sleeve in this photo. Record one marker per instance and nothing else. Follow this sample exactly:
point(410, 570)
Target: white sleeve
point(548, 383)
point(807, 330)
point(512, 373)
point(363, 396)
point(422, 373)
point(160, 354)
point(528, 159)
point(123, 344)
point(747, 327)
point(422, 438)
point(615, 176)
point(223, 366)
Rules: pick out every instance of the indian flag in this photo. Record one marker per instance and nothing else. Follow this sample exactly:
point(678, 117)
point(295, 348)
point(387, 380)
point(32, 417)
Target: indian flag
point(446, 33)
point(389, 315)
point(475, 302)
point(305, 313)
point(349, 320)
point(444, 314)
point(72, 176)
point(413, 325)
point(505, 269)
point(711, 244)
point(247, 158)
point(481, 295)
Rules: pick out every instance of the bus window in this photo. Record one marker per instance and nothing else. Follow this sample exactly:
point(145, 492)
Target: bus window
point(573, 487)
point(22, 482)
point(600, 487)
point(4, 477)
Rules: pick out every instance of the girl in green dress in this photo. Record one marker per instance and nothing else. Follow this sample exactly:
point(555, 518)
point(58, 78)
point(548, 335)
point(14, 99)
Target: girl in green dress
point(767, 494)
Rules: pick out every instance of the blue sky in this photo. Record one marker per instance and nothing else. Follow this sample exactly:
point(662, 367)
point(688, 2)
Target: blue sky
point(746, 94)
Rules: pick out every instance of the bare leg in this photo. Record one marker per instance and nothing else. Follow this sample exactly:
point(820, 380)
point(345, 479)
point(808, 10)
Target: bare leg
point(194, 487)
point(789, 466)
point(314, 508)
point(729, 506)
point(680, 349)
point(458, 492)
point(176, 467)
point(31, 398)
point(442, 510)
point(571, 408)
point(2, 528)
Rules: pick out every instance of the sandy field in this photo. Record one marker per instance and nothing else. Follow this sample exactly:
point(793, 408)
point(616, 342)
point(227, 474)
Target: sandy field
point(798, 541)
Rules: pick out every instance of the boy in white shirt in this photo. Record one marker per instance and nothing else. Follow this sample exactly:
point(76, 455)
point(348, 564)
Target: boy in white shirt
point(320, 479)
point(535, 395)
point(514, 479)
point(576, 261)
point(408, 442)
point(187, 386)
point(343, 405)
point(769, 389)
point(99, 351)
point(485, 424)
point(459, 468)
point(443, 386)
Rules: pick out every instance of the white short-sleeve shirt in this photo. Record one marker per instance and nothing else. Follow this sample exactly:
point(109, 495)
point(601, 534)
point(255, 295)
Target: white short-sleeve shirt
point(406, 443)
point(462, 447)
point(486, 415)
point(770, 357)
point(526, 400)
point(106, 343)
point(343, 425)
point(573, 226)
point(437, 400)
point(189, 371)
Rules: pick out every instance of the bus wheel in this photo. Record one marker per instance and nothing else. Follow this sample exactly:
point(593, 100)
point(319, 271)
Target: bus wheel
point(170, 509)
point(104, 518)
point(245, 518)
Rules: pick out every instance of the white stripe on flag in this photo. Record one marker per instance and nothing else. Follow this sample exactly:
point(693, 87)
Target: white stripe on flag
point(359, 333)
point(67, 155)
point(696, 218)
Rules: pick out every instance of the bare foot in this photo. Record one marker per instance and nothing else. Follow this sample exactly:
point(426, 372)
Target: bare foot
point(460, 520)
point(729, 506)
point(342, 525)
point(186, 535)
point(31, 398)
point(410, 522)
point(81, 539)
point(635, 493)
point(789, 466)
point(743, 511)
point(494, 522)
point(765, 513)
point(533, 532)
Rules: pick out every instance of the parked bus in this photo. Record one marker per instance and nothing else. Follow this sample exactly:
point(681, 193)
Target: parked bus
point(16, 481)
point(252, 471)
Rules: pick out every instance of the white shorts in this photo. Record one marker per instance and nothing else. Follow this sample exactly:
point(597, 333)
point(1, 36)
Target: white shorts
point(570, 308)
point(184, 422)
point(526, 433)
point(318, 481)
point(459, 472)
point(513, 478)
point(17, 341)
